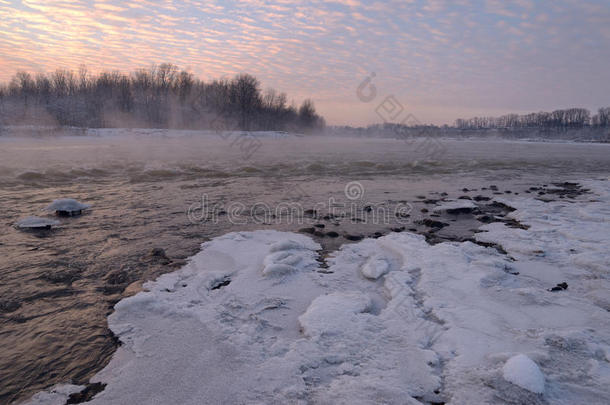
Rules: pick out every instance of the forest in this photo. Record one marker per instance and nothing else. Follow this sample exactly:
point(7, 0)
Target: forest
point(162, 96)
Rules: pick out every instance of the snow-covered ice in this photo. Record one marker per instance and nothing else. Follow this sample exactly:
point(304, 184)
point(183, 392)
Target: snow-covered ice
point(522, 371)
point(36, 223)
point(58, 395)
point(252, 318)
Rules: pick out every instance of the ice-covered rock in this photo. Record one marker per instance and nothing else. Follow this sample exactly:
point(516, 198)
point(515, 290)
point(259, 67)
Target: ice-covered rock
point(456, 207)
point(67, 206)
point(522, 371)
point(36, 223)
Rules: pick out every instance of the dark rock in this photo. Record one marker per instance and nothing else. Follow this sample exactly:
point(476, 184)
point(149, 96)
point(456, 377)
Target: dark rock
point(560, 287)
point(432, 223)
point(462, 210)
point(319, 225)
point(9, 306)
point(486, 219)
point(117, 277)
point(367, 208)
point(65, 276)
point(398, 229)
point(424, 210)
point(430, 201)
point(218, 284)
point(493, 187)
point(421, 197)
point(464, 197)
point(444, 194)
point(332, 234)
point(86, 394)
point(307, 230)
point(465, 190)
point(353, 237)
point(481, 198)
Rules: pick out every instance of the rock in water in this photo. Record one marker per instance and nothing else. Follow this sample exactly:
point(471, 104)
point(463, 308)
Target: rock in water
point(67, 207)
point(522, 371)
point(36, 223)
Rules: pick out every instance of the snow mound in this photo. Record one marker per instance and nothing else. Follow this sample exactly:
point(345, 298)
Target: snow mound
point(284, 258)
point(376, 267)
point(334, 313)
point(36, 223)
point(522, 371)
point(67, 206)
point(458, 206)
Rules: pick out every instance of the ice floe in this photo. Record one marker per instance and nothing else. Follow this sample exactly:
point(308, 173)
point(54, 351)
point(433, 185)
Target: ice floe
point(36, 223)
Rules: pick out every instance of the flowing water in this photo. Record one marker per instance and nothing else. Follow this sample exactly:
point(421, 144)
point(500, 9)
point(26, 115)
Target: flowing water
point(151, 189)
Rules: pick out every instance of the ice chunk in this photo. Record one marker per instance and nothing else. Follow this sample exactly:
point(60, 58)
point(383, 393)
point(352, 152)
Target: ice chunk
point(522, 371)
point(455, 207)
point(36, 223)
point(67, 206)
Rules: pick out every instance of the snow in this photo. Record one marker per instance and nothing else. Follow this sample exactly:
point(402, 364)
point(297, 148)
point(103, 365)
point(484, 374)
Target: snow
point(376, 267)
point(522, 371)
point(69, 205)
point(458, 205)
point(36, 223)
point(391, 320)
point(58, 395)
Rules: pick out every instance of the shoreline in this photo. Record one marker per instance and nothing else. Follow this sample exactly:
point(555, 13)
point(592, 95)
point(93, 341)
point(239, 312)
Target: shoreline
point(569, 190)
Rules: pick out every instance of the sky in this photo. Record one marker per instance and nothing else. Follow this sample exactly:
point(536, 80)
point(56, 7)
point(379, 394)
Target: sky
point(362, 62)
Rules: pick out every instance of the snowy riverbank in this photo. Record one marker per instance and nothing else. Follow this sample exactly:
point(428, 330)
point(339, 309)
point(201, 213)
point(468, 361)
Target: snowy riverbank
point(255, 318)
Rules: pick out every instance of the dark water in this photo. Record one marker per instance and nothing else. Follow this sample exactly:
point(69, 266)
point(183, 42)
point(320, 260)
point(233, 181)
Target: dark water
point(57, 287)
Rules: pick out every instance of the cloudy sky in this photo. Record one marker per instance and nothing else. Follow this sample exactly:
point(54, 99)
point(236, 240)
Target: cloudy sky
point(439, 59)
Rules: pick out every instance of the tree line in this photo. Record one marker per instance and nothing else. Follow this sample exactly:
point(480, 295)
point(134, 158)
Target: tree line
point(568, 118)
point(160, 97)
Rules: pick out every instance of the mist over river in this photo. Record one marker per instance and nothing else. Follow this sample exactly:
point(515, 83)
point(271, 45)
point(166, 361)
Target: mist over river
point(146, 187)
